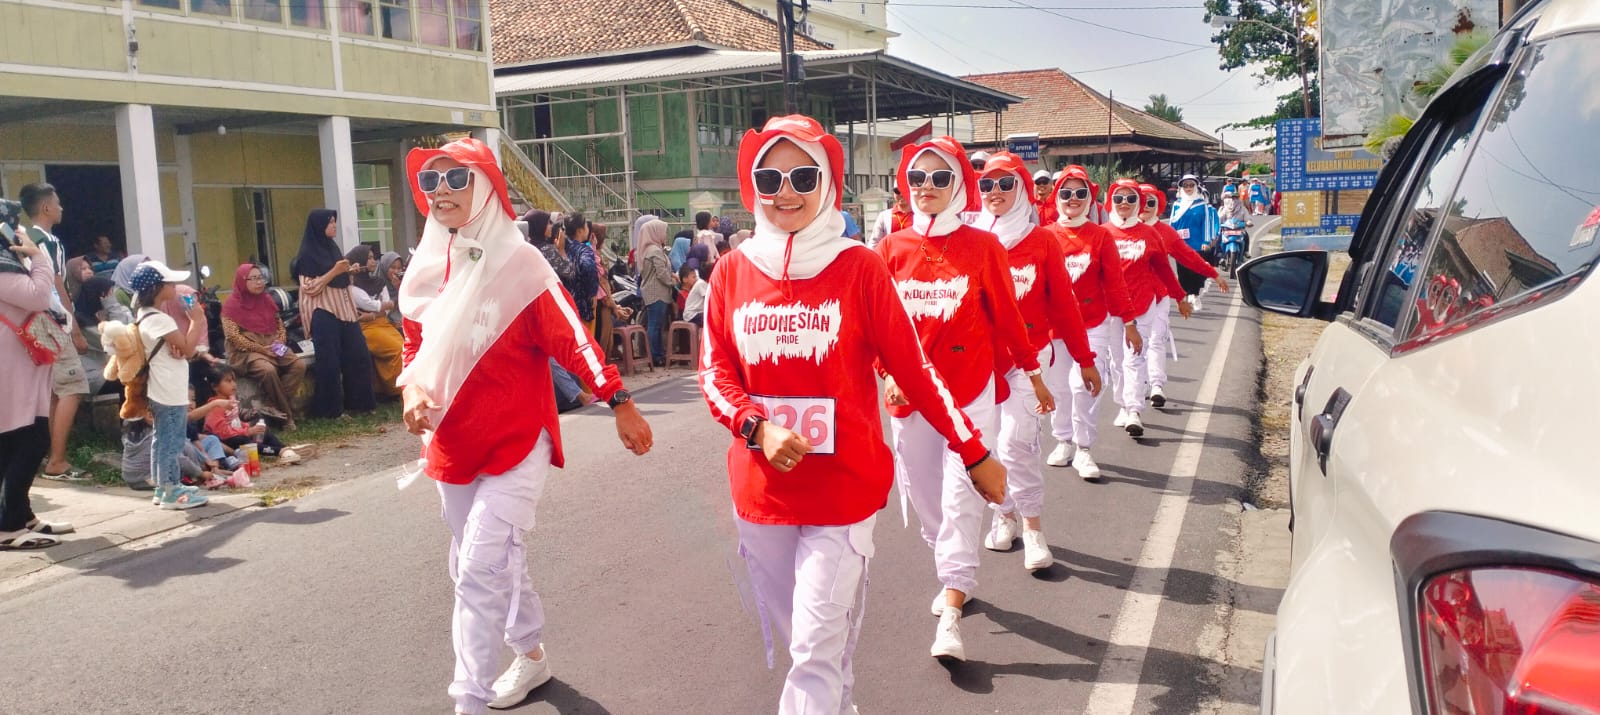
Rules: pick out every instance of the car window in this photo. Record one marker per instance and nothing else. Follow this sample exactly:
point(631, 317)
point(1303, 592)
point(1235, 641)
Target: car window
point(1520, 227)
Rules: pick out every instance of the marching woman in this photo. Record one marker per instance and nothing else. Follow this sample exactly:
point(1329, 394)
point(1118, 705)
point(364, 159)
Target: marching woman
point(1196, 222)
point(1096, 272)
point(1149, 276)
point(1155, 206)
point(1049, 308)
point(794, 322)
point(954, 284)
point(483, 315)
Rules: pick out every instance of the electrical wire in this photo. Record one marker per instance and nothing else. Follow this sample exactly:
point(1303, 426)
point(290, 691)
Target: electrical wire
point(1107, 27)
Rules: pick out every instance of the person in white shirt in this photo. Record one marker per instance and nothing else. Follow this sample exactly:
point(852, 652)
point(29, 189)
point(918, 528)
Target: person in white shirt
point(694, 306)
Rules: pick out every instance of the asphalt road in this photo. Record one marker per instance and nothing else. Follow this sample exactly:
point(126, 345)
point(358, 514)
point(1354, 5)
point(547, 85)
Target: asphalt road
point(340, 602)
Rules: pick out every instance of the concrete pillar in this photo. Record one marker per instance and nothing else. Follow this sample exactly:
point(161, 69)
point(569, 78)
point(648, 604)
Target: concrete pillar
point(339, 176)
point(141, 181)
point(407, 218)
point(490, 136)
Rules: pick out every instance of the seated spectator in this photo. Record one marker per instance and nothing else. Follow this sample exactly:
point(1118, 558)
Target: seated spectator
point(704, 251)
point(93, 305)
point(391, 269)
point(225, 420)
point(373, 303)
point(102, 257)
point(258, 344)
point(78, 271)
point(694, 291)
point(680, 248)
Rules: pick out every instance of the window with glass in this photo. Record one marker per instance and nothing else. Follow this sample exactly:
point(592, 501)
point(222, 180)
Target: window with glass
point(1520, 229)
point(469, 24)
point(308, 13)
point(264, 11)
point(355, 17)
point(433, 22)
point(212, 7)
point(163, 4)
point(395, 16)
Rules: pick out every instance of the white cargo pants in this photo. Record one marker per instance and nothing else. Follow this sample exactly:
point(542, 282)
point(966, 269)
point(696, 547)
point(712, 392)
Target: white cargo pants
point(1074, 418)
point(933, 478)
point(1019, 438)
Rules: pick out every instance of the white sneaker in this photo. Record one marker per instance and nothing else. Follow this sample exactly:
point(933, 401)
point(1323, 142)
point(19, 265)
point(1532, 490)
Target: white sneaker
point(1134, 425)
point(1085, 465)
point(521, 678)
point(947, 639)
point(1122, 418)
point(288, 456)
point(1158, 396)
point(1195, 304)
point(1001, 534)
point(1035, 553)
point(1061, 456)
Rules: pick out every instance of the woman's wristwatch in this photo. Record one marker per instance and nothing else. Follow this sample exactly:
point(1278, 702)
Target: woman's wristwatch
point(619, 398)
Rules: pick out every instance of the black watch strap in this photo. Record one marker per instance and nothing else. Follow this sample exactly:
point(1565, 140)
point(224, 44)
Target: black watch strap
point(748, 429)
point(618, 398)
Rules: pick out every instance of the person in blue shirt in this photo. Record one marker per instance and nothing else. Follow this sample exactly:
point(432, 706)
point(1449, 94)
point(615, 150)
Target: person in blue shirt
point(1196, 222)
point(851, 229)
point(1258, 197)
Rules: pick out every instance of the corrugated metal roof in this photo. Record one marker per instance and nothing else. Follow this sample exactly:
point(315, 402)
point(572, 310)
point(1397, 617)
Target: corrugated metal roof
point(657, 69)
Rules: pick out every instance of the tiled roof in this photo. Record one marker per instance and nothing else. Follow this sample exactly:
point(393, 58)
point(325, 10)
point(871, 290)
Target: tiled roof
point(1059, 107)
point(527, 31)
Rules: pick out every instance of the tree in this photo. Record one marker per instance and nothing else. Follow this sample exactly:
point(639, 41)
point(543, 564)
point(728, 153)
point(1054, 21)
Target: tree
point(1272, 38)
point(1158, 106)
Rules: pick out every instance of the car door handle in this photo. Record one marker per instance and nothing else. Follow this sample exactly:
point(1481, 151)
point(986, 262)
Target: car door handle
point(1323, 424)
point(1300, 393)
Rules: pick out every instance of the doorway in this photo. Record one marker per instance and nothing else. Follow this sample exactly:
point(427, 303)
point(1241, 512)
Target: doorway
point(91, 201)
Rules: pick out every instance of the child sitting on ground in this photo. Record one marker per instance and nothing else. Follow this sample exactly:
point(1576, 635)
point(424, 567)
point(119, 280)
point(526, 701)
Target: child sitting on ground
point(224, 420)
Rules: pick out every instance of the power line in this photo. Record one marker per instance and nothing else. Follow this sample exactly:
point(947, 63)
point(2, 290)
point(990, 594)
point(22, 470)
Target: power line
point(1079, 20)
point(1203, 95)
point(1140, 62)
point(979, 48)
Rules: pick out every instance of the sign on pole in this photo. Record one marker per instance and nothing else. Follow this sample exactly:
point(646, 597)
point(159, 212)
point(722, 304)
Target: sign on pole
point(1323, 190)
point(1025, 146)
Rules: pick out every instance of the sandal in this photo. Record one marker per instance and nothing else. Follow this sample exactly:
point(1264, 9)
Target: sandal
point(50, 528)
point(27, 540)
point(73, 474)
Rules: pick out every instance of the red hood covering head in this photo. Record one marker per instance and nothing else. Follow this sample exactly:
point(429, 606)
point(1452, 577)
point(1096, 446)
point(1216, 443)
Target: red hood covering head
point(1123, 184)
point(957, 155)
point(795, 126)
point(471, 153)
point(1006, 161)
point(1149, 190)
point(1076, 172)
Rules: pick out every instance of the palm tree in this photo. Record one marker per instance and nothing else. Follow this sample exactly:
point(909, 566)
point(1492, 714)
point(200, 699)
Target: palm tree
point(1160, 107)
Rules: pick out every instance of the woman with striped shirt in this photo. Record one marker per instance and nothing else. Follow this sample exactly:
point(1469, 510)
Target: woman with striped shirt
point(343, 368)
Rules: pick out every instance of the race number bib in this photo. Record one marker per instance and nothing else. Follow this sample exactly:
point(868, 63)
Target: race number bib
point(1183, 233)
point(809, 417)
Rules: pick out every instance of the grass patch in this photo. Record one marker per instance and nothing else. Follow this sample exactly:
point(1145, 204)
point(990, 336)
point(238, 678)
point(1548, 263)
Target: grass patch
point(287, 490)
point(322, 431)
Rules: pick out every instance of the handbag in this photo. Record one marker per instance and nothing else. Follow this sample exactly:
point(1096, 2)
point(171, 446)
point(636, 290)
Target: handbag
point(41, 336)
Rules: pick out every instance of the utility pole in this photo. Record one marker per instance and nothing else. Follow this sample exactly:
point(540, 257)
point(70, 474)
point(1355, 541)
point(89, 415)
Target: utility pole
point(790, 16)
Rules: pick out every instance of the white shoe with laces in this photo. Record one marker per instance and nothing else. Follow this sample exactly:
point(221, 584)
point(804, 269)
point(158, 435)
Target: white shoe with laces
point(1035, 552)
point(521, 678)
point(1002, 533)
point(1158, 396)
point(947, 643)
point(1134, 425)
point(1061, 456)
point(1086, 466)
point(1122, 418)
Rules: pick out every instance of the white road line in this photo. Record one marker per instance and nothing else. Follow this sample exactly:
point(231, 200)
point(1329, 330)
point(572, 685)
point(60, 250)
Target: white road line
point(1117, 684)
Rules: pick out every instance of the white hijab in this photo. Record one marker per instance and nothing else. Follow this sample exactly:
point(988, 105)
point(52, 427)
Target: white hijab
point(803, 254)
point(1116, 219)
point(1015, 224)
point(948, 220)
point(465, 288)
point(1186, 200)
point(1072, 221)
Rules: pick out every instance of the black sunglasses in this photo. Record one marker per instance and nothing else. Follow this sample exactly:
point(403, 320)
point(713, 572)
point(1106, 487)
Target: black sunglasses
point(457, 179)
point(942, 178)
point(803, 179)
point(1068, 194)
point(1151, 203)
point(1125, 199)
point(1006, 183)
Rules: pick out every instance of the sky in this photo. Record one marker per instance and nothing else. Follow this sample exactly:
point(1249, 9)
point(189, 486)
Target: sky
point(1001, 35)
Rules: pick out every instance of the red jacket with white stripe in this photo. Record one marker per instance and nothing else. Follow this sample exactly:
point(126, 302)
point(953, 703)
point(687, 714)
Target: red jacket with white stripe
point(803, 358)
point(960, 297)
point(1180, 250)
point(509, 398)
point(1096, 272)
point(1145, 267)
point(1044, 295)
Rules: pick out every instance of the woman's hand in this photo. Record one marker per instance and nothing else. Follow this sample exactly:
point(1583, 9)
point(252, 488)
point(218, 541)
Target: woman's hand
point(417, 407)
point(784, 449)
point(1185, 309)
point(1130, 333)
point(892, 393)
point(1091, 380)
point(257, 430)
point(621, 313)
point(989, 478)
point(1222, 282)
point(632, 429)
point(25, 246)
point(1047, 401)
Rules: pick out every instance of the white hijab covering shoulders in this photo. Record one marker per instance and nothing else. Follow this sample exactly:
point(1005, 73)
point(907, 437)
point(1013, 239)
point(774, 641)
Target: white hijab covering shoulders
point(1186, 201)
point(465, 289)
point(948, 220)
point(813, 247)
point(1015, 225)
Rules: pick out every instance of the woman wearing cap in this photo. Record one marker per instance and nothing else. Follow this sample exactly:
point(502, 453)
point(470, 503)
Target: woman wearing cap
point(795, 320)
point(1190, 263)
point(1050, 311)
point(483, 315)
point(1193, 217)
point(343, 367)
point(1149, 276)
point(955, 286)
point(1095, 268)
point(167, 383)
point(1044, 197)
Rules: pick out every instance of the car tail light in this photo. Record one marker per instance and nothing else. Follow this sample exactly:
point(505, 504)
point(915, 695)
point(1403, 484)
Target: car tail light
point(1510, 641)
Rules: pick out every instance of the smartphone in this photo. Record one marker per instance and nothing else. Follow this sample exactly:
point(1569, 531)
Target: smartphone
point(10, 235)
point(188, 301)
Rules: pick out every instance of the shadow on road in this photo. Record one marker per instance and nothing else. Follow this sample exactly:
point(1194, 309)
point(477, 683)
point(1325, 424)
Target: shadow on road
point(564, 698)
point(190, 555)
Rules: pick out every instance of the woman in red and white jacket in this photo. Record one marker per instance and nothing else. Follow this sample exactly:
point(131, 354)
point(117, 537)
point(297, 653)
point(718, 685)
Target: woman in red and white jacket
point(1049, 310)
point(1095, 268)
point(1150, 277)
point(483, 315)
point(795, 320)
point(1155, 206)
point(955, 286)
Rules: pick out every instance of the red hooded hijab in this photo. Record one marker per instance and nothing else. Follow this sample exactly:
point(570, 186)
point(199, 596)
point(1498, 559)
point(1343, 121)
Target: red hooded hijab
point(785, 255)
point(964, 199)
point(254, 313)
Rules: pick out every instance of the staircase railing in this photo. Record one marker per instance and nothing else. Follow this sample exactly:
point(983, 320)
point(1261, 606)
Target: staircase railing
point(537, 190)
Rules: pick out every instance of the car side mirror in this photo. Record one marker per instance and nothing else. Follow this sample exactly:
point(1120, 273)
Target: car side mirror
point(1289, 283)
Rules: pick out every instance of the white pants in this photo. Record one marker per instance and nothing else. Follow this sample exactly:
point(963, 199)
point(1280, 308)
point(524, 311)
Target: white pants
point(495, 600)
point(1019, 439)
point(811, 585)
point(1074, 418)
point(1117, 351)
point(1160, 344)
point(1135, 366)
point(949, 510)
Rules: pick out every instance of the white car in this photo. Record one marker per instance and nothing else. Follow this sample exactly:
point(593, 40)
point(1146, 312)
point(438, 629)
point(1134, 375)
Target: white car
point(1445, 457)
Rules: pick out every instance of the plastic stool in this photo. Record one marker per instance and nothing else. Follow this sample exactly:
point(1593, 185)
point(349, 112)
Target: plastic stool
point(690, 354)
point(632, 336)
